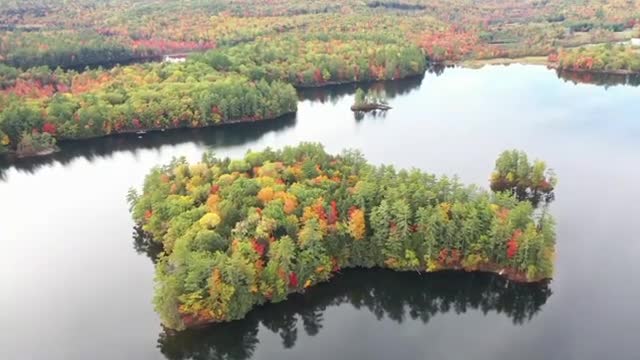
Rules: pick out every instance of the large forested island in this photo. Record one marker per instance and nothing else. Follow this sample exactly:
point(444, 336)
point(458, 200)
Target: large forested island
point(238, 233)
point(74, 70)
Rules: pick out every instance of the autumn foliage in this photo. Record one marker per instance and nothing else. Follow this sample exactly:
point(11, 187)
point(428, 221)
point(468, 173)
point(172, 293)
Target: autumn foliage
point(243, 232)
point(621, 59)
point(512, 244)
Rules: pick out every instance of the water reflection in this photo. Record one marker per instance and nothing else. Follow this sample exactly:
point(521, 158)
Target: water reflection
point(75, 267)
point(375, 114)
point(239, 134)
point(605, 80)
point(388, 295)
point(144, 245)
point(332, 94)
point(229, 135)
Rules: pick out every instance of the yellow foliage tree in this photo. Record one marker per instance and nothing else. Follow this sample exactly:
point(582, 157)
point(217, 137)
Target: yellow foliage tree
point(210, 220)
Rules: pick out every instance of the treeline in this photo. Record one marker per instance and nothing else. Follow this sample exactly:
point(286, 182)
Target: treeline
point(140, 98)
point(398, 5)
point(585, 26)
point(65, 49)
point(246, 82)
point(332, 42)
point(57, 34)
point(60, 33)
point(620, 58)
point(237, 233)
point(319, 59)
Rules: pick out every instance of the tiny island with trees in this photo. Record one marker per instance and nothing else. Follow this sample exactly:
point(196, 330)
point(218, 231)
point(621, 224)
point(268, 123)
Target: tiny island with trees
point(239, 233)
point(369, 101)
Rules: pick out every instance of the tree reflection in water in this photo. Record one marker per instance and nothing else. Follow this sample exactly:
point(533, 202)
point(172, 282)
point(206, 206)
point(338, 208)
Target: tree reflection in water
point(91, 149)
point(238, 134)
point(386, 294)
point(391, 88)
point(375, 114)
point(599, 79)
point(143, 244)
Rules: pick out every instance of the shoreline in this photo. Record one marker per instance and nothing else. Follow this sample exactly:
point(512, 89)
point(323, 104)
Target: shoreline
point(524, 60)
point(469, 64)
point(621, 72)
point(512, 275)
point(12, 154)
point(16, 155)
point(535, 60)
point(353, 82)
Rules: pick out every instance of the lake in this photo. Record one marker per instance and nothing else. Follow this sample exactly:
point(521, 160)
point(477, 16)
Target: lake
point(76, 281)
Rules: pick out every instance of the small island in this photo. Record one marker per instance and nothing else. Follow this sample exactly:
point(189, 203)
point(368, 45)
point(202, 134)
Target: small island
point(370, 101)
point(239, 233)
point(36, 144)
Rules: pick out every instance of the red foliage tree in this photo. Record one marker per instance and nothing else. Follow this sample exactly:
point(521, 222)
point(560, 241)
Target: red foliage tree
point(332, 218)
point(293, 279)
point(320, 211)
point(49, 128)
point(512, 244)
point(455, 256)
point(335, 265)
point(317, 76)
point(258, 247)
point(443, 256)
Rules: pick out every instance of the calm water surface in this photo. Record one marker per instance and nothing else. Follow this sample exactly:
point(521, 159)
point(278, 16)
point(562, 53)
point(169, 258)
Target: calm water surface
point(76, 284)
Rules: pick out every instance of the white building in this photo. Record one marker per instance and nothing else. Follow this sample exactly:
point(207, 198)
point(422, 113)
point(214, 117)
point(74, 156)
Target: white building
point(174, 59)
point(635, 42)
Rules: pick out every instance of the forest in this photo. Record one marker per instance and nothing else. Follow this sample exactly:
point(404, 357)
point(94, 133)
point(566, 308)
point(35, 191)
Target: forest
point(238, 233)
point(320, 59)
point(87, 32)
point(607, 58)
point(67, 105)
point(64, 72)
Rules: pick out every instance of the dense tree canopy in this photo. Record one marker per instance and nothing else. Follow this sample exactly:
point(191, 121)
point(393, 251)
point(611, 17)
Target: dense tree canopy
point(236, 233)
point(515, 174)
point(140, 97)
point(236, 46)
point(620, 58)
point(320, 59)
point(62, 33)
